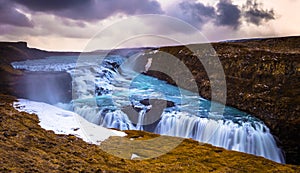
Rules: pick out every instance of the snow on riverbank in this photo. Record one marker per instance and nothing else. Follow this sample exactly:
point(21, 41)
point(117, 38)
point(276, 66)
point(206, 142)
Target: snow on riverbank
point(66, 122)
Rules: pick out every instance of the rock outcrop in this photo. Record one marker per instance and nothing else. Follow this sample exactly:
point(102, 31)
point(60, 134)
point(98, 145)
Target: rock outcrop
point(152, 113)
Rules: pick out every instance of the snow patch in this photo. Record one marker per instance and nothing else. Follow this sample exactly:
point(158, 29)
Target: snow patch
point(134, 156)
point(66, 122)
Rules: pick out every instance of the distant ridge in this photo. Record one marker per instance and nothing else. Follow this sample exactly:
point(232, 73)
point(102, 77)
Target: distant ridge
point(257, 39)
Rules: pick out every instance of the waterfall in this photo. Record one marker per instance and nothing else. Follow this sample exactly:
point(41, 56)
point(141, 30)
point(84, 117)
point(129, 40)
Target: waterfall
point(252, 138)
point(101, 90)
point(140, 123)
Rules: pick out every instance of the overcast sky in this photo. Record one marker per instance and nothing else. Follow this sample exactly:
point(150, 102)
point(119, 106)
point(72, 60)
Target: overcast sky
point(70, 24)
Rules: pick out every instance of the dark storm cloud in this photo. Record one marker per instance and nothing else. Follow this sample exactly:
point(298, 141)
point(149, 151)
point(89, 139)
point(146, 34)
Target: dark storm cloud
point(197, 12)
point(254, 13)
point(92, 10)
point(10, 16)
point(224, 14)
point(78, 13)
point(49, 5)
point(228, 14)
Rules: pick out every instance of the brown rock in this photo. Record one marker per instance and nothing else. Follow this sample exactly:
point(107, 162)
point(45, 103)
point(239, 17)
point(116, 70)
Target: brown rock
point(262, 78)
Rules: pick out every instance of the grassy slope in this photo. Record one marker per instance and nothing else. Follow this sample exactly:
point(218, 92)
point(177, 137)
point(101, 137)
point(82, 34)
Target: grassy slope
point(25, 146)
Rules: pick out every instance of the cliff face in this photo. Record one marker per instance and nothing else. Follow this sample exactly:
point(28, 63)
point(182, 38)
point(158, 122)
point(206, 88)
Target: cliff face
point(18, 51)
point(262, 78)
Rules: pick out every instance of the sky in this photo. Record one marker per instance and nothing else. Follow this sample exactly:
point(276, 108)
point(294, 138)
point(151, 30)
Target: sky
point(70, 25)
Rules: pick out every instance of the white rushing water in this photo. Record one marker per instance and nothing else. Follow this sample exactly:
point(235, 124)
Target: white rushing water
point(101, 90)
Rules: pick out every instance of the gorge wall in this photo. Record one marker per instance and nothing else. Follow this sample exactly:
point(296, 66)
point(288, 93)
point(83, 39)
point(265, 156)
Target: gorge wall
point(262, 78)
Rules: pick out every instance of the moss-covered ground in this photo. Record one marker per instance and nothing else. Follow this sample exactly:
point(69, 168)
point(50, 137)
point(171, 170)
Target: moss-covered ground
point(26, 147)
